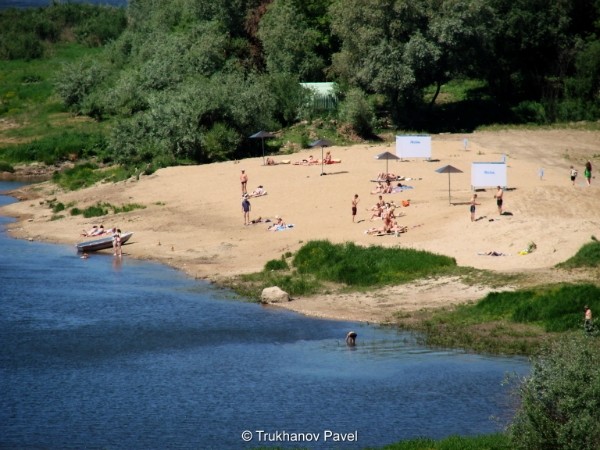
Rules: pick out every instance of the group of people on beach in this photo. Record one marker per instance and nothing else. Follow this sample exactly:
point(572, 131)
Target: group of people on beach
point(386, 211)
point(276, 225)
point(499, 196)
point(99, 231)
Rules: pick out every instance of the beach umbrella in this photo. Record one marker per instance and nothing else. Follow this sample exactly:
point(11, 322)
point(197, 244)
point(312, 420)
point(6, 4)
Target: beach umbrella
point(262, 135)
point(448, 169)
point(387, 156)
point(321, 143)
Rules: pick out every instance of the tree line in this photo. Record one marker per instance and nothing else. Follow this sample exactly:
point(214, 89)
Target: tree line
point(190, 80)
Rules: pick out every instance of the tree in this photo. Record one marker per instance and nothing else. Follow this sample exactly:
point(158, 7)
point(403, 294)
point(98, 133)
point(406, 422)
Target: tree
point(399, 47)
point(289, 43)
point(561, 398)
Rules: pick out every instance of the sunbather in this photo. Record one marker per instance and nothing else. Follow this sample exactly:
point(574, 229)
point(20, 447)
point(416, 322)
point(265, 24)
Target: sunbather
point(379, 189)
point(95, 231)
point(376, 212)
point(277, 225)
point(260, 190)
point(389, 176)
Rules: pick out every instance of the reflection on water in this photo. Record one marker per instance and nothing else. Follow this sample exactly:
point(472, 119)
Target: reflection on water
point(143, 357)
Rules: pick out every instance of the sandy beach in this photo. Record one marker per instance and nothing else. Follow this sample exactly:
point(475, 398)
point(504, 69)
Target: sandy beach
point(193, 218)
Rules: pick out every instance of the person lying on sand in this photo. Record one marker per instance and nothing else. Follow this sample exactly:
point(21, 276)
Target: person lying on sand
point(389, 176)
point(260, 190)
point(271, 162)
point(277, 225)
point(307, 162)
point(94, 231)
point(493, 253)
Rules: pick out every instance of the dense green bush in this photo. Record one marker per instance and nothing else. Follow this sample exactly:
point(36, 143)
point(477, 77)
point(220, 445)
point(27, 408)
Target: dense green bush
point(276, 264)
point(356, 110)
point(367, 266)
point(530, 112)
point(560, 399)
point(96, 210)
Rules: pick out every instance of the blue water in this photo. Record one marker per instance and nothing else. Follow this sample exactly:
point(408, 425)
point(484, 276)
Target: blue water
point(97, 353)
point(5, 4)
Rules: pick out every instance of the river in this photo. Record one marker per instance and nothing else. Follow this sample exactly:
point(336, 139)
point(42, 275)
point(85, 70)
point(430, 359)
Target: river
point(124, 354)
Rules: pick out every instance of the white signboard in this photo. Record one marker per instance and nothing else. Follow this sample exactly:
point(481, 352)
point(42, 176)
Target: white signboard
point(418, 146)
point(485, 174)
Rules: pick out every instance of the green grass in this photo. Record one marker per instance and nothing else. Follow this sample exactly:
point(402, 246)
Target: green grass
point(88, 174)
point(40, 127)
point(486, 442)
point(508, 322)
point(320, 266)
point(26, 87)
point(455, 91)
point(373, 266)
point(586, 256)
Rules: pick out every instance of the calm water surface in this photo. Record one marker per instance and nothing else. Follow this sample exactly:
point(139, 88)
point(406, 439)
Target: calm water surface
point(98, 353)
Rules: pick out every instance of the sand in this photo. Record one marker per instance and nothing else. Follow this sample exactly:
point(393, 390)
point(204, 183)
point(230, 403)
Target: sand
point(193, 219)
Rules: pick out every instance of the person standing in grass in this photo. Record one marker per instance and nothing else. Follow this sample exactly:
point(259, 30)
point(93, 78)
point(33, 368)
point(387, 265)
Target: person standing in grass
point(588, 325)
point(354, 206)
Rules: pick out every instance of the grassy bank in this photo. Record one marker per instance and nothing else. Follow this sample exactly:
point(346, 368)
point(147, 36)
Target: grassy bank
point(323, 267)
point(516, 322)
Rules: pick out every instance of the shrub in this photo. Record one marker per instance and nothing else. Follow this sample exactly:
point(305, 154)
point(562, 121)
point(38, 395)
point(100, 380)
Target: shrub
point(277, 264)
point(371, 266)
point(530, 112)
point(96, 210)
point(358, 112)
point(82, 175)
point(561, 398)
point(58, 207)
point(6, 167)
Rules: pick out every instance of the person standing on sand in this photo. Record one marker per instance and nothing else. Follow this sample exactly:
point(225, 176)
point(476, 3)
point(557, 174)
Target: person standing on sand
point(116, 240)
point(573, 174)
point(244, 181)
point(354, 206)
point(472, 207)
point(246, 209)
point(588, 172)
point(498, 197)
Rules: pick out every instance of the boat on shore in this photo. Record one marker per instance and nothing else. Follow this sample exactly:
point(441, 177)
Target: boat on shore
point(102, 243)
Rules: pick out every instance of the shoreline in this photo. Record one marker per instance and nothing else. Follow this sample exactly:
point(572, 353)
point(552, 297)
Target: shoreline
point(192, 219)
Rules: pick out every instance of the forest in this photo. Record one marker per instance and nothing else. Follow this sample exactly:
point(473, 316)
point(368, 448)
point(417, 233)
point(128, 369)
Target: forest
point(188, 81)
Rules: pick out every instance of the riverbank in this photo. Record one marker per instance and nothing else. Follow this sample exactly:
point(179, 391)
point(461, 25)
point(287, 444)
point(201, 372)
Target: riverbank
point(193, 219)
